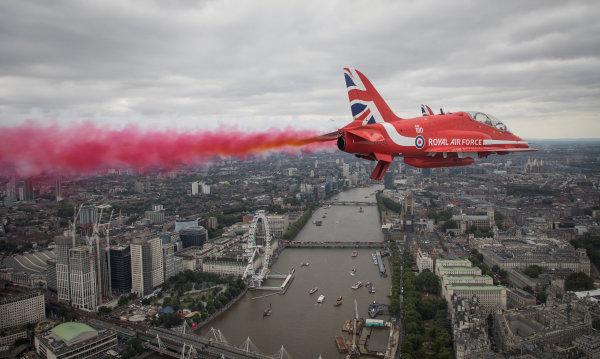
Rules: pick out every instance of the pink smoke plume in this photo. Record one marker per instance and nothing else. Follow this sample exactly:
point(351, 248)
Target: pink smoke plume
point(33, 148)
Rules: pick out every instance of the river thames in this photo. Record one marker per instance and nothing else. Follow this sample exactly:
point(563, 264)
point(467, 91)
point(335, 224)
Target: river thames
point(307, 329)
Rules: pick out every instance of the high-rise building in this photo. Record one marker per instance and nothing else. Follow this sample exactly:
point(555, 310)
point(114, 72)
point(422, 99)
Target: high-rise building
point(193, 236)
point(88, 215)
point(388, 180)
point(63, 281)
point(83, 278)
point(28, 190)
point(146, 265)
point(11, 191)
point(51, 275)
point(195, 188)
point(120, 269)
point(168, 249)
point(156, 215)
point(205, 188)
point(58, 188)
point(101, 256)
point(345, 170)
point(212, 222)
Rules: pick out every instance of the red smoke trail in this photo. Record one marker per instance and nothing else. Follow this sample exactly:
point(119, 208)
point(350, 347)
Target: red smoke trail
point(83, 148)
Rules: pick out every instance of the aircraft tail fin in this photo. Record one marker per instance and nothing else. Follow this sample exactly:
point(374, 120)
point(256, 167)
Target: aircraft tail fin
point(366, 104)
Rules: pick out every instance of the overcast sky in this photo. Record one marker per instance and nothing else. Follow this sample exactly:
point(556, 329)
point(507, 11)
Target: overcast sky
point(259, 64)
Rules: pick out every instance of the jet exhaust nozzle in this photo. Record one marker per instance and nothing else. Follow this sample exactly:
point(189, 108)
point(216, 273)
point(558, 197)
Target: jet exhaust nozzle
point(341, 143)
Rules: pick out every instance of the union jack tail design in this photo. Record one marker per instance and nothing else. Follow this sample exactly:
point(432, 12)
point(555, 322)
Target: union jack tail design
point(366, 104)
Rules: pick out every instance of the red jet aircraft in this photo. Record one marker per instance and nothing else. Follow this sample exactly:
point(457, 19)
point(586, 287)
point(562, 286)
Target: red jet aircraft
point(444, 140)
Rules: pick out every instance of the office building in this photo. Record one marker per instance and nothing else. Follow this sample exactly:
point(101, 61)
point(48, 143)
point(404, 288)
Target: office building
point(193, 236)
point(120, 269)
point(195, 188)
point(21, 309)
point(88, 215)
point(101, 256)
point(82, 278)
point(51, 275)
point(212, 222)
point(424, 261)
point(491, 297)
point(156, 215)
point(204, 188)
point(146, 265)
point(63, 281)
point(181, 224)
point(75, 340)
point(168, 249)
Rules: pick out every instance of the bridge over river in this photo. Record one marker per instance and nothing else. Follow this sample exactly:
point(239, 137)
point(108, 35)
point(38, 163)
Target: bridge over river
point(349, 203)
point(327, 244)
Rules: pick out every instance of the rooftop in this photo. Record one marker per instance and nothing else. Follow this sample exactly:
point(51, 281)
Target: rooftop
point(476, 287)
point(70, 332)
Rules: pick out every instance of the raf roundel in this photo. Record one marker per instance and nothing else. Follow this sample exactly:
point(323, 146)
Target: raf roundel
point(419, 142)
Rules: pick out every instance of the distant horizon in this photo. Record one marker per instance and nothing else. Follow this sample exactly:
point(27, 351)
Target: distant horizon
point(211, 65)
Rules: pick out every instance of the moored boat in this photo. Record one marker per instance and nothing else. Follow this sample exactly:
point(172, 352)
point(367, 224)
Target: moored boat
point(354, 253)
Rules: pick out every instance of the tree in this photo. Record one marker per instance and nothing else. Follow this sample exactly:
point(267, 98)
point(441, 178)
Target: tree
point(533, 271)
point(578, 281)
point(103, 310)
point(541, 297)
point(427, 282)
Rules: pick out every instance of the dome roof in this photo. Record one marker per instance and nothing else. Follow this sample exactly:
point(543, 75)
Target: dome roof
point(71, 332)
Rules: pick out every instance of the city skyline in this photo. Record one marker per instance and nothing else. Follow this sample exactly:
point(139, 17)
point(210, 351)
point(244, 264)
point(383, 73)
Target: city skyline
point(214, 65)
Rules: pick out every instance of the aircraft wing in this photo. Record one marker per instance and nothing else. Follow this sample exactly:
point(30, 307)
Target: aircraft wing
point(471, 149)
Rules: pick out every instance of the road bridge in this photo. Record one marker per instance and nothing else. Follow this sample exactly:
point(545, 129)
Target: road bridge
point(326, 244)
point(349, 203)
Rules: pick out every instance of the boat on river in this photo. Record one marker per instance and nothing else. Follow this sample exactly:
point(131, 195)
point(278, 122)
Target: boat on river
point(321, 299)
point(353, 271)
point(338, 301)
point(312, 291)
point(357, 285)
point(305, 264)
point(354, 253)
point(267, 311)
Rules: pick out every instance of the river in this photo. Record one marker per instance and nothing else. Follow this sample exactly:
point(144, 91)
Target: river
point(307, 329)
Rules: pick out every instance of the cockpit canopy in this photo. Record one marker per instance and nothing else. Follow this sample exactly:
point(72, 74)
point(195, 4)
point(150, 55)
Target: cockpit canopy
point(488, 120)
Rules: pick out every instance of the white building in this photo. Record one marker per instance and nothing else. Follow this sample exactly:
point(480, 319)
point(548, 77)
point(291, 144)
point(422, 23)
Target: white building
point(465, 280)
point(168, 259)
point(424, 261)
point(458, 271)
point(491, 297)
point(83, 278)
point(195, 188)
point(451, 263)
point(146, 265)
point(278, 224)
point(18, 310)
point(205, 188)
point(63, 282)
